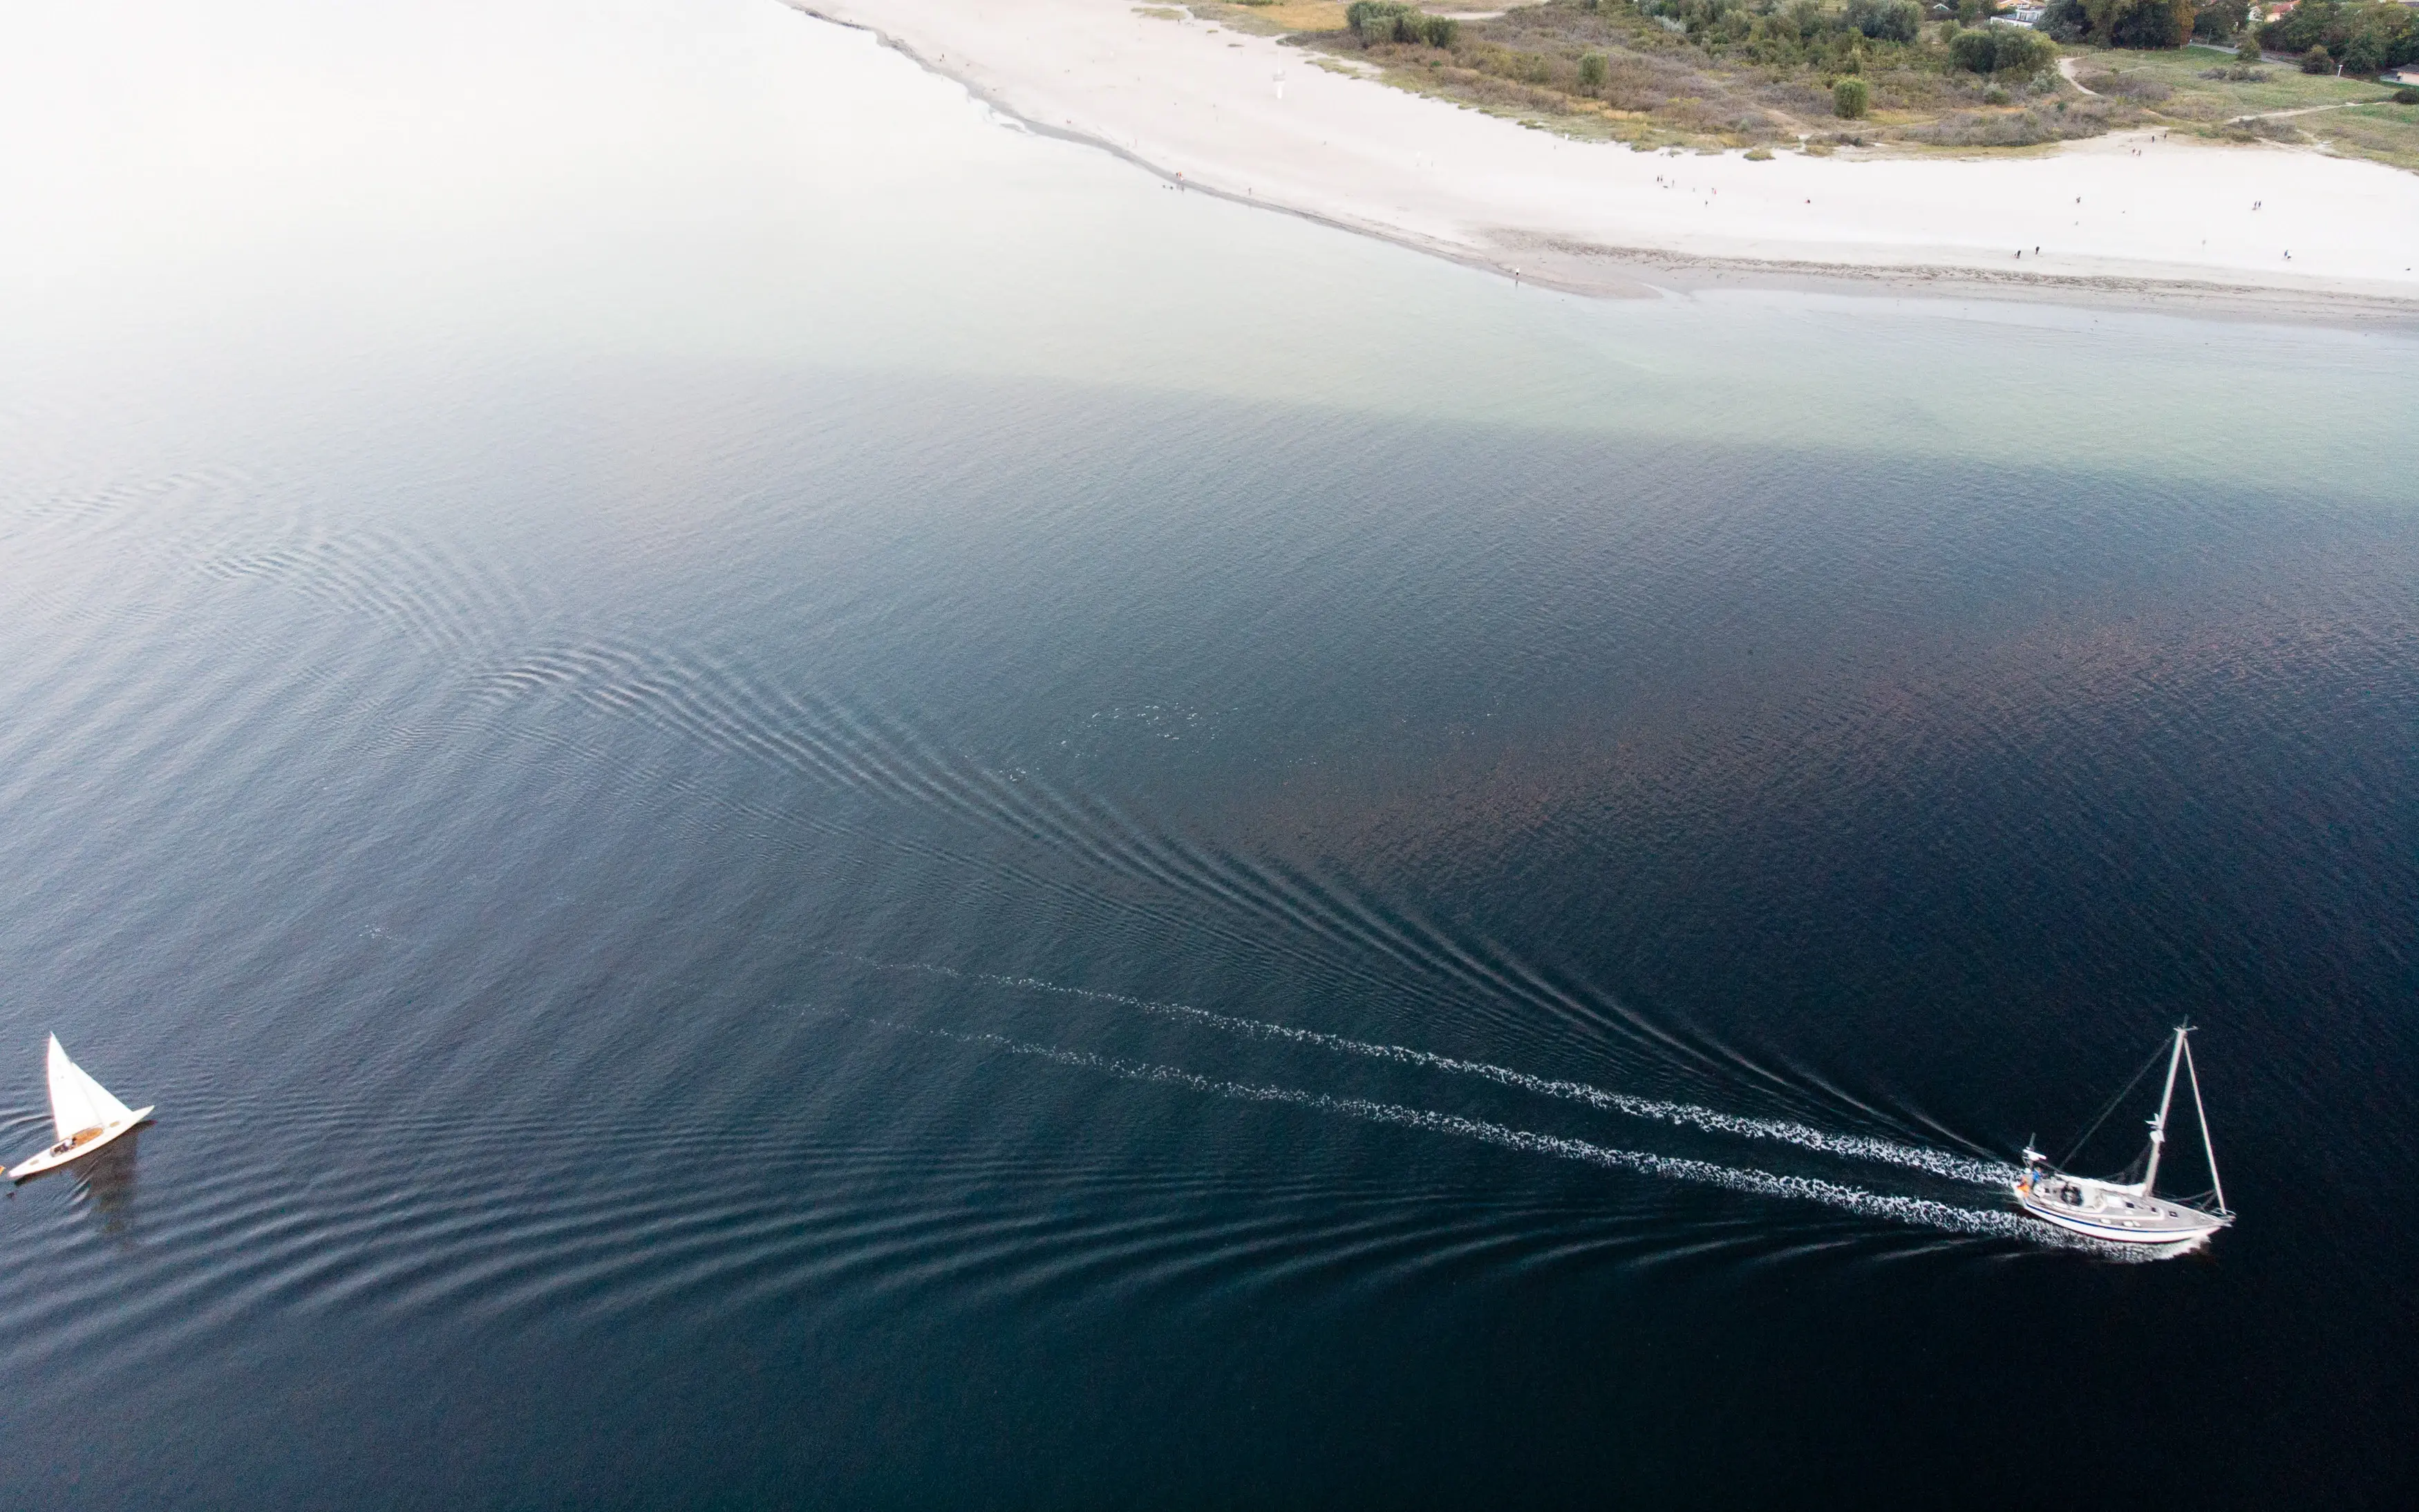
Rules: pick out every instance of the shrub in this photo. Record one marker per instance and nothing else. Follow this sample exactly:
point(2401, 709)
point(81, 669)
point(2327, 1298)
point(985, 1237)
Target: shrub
point(2001, 50)
point(2248, 53)
point(1885, 21)
point(2406, 97)
point(1591, 70)
point(1973, 51)
point(2127, 86)
point(2316, 61)
point(1380, 22)
point(2065, 20)
point(2017, 51)
point(1850, 98)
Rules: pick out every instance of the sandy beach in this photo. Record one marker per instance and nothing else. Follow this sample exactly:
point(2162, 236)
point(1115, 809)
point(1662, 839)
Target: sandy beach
point(2134, 216)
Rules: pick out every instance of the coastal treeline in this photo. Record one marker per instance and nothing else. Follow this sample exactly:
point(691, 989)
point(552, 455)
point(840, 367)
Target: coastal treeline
point(1743, 72)
point(1821, 74)
point(2138, 23)
point(2365, 38)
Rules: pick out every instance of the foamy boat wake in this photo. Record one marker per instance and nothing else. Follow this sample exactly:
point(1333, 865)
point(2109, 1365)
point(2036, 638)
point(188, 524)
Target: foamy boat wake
point(1948, 1163)
point(1921, 1211)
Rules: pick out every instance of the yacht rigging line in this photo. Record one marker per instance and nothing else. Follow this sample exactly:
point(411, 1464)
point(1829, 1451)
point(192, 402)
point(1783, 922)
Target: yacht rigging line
point(2093, 1127)
point(2201, 1114)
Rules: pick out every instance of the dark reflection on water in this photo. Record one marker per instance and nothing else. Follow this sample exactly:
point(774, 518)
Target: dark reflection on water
point(105, 1182)
point(904, 960)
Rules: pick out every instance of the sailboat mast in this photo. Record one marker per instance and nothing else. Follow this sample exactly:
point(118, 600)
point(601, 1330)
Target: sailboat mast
point(2202, 1114)
point(2158, 1125)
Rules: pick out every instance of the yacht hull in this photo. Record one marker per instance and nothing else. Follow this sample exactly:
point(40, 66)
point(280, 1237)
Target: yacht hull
point(2149, 1224)
point(53, 1158)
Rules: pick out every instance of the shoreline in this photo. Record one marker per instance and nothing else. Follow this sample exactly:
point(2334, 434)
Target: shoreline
point(1279, 148)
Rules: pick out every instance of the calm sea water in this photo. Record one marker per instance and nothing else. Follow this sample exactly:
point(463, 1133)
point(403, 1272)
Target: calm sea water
point(797, 801)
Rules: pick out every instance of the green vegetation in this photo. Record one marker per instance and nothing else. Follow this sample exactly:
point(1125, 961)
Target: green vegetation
point(1715, 74)
point(1710, 75)
point(2138, 24)
point(2216, 97)
point(2216, 22)
point(2365, 39)
point(2002, 50)
point(2387, 132)
point(1384, 22)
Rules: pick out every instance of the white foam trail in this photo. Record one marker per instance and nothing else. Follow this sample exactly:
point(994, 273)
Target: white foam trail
point(1922, 1212)
point(1853, 1146)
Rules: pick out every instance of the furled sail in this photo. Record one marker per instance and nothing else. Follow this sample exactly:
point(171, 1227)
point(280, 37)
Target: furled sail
point(77, 1102)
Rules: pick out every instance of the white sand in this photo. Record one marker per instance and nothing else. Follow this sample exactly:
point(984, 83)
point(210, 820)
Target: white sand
point(1206, 101)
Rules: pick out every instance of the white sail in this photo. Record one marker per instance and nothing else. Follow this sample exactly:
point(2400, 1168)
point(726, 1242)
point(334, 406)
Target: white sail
point(77, 1102)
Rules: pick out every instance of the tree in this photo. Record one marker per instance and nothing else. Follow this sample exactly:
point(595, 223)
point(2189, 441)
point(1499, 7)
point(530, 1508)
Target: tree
point(2141, 22)
point(1885, 21)
point(2316, 61)
point(2065, 20)
point(1850, 97)
point(2217, 21)
point(1591, 70)
point(2381, 35)
point(2248, 53)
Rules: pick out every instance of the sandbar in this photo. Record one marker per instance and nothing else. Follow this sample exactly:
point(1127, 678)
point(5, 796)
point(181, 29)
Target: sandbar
point(2138, 218)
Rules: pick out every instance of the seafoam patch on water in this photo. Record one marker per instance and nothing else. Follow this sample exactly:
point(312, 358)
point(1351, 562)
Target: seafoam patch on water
point(1921, 1211)
point(1805, 1136)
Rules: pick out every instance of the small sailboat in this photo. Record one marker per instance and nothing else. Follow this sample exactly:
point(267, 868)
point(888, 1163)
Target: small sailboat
point(2130, 1212)
point(87, 1115)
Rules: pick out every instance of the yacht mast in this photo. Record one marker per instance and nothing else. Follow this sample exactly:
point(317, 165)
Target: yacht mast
point(2158, 1125)
point(2202, 1113)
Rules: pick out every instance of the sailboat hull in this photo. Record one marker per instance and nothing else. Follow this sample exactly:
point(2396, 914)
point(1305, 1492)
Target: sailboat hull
point(55, 1157)
point(2117, 1215)
point(2121, 1212)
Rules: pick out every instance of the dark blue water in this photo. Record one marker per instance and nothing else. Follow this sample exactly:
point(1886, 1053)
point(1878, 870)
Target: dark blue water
point(727, 930)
